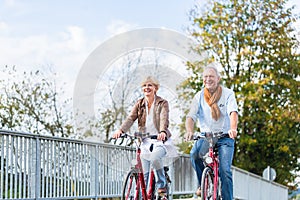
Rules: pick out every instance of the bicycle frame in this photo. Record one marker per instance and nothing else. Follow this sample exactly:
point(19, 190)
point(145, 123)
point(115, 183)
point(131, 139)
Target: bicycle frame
point(215, 167)
point(136, 176)
point(138, 166)
point(211, 162)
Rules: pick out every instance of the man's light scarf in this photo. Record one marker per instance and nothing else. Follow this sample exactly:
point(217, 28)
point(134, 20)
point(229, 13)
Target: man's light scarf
point(212, 101)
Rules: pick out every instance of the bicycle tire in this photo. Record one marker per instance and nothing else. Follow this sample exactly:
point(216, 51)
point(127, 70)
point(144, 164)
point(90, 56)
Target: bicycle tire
point(131, 188)
point(207, 184)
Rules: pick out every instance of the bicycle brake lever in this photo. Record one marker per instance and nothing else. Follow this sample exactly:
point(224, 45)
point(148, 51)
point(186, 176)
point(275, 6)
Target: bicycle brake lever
point(110, 139)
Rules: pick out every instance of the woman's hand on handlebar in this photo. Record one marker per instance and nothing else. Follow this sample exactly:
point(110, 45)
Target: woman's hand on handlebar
point(162, 136)
point(117, 134)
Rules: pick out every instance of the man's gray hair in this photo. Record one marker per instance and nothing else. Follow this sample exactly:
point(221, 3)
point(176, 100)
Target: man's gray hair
point(212, 66)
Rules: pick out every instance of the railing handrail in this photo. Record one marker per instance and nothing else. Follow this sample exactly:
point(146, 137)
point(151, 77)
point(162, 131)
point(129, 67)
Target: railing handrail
point(37, 166)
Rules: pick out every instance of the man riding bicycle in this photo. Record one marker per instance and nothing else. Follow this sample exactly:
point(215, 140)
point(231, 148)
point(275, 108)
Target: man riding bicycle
point(216, 109)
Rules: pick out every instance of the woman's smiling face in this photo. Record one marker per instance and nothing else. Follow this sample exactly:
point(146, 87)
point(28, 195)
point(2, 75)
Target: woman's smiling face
point(149, 89)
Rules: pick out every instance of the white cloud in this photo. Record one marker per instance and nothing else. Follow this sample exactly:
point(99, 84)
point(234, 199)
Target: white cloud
point(10, 3)
point(15, 7)
point(119, 26)
point(3, 26)
point(74, 38)
point(65, 52)
point(39, 49)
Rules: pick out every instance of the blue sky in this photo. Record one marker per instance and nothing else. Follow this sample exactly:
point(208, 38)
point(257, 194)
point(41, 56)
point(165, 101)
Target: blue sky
point(30, 17)
point(36, 34)
point(62, 33)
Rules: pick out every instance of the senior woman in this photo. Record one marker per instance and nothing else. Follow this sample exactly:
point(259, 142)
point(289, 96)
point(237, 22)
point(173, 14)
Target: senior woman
point(152, 113)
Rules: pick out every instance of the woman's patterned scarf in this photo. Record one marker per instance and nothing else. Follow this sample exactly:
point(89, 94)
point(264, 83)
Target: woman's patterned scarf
point(212, 100)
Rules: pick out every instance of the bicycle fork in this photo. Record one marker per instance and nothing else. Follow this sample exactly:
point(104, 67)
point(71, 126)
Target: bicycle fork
point(143, 185)
point(216, 180)
point(151, 185)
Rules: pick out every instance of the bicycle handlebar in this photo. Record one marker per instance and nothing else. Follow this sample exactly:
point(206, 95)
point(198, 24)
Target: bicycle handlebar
point(216, 135)
point(135, 135)
point(138, 135)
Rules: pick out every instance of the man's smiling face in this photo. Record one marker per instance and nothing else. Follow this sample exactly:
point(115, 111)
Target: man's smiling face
point(210, 79)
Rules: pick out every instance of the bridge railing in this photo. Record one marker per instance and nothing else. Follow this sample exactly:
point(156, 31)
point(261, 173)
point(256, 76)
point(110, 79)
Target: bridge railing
point(42, 167)
point(34, 166)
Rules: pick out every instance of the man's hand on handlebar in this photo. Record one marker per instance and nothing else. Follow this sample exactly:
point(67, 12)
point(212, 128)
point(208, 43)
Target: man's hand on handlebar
point(188, 136)
point(232, 133)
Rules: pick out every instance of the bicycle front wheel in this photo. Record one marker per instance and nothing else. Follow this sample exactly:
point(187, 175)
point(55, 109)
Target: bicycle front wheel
point(207, 184)
point(131, 188)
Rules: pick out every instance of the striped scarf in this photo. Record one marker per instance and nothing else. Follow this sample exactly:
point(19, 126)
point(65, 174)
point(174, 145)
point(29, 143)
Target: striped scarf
point(212, 100)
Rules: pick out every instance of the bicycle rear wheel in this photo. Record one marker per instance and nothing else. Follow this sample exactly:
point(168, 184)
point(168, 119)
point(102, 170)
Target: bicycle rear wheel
point(207, 184)
point(131, 188)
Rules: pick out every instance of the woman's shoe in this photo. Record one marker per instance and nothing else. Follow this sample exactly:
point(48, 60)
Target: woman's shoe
point(161, 190)
point(198, 192)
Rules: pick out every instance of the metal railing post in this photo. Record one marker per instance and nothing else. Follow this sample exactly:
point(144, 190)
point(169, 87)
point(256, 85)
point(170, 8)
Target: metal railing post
point(37, 168)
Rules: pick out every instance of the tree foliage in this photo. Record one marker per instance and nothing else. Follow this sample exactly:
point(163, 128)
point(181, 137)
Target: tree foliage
point(31, 103)
point(256, 46)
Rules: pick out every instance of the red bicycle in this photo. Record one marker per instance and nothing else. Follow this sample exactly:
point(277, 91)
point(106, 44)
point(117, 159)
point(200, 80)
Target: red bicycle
point(134, 187)
point(210, 181)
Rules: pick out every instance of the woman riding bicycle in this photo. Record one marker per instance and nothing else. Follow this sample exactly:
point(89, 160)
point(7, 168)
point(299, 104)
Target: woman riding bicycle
point(216, 108)
point(152, 113)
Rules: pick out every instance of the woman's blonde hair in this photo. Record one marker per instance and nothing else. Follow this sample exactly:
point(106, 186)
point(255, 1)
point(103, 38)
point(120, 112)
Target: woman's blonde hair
point(152, 80)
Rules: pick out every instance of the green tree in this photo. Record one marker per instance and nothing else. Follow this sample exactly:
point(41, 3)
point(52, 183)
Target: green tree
point(30, 102)
point(256, 46)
